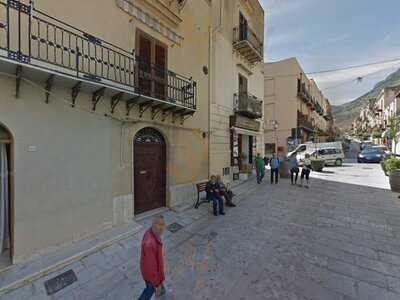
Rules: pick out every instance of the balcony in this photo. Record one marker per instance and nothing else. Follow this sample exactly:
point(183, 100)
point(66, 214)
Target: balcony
point(304, 95)
point(304, 122)
point(247, 43)
point(328, 117)
point(48, 50)
point(248, 105)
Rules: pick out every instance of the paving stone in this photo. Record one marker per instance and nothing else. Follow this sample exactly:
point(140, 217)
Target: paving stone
point(367, 291)
point(334, 241)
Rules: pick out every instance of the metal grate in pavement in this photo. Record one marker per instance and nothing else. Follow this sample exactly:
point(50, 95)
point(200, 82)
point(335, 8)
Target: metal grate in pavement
point(174, 227)
point(59, 282)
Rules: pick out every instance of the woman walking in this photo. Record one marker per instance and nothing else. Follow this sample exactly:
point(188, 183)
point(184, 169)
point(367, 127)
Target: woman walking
point(305, 172)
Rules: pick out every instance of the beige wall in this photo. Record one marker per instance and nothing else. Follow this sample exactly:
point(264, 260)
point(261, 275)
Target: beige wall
point(282, 103)
point(226, 67)
point(73, 167)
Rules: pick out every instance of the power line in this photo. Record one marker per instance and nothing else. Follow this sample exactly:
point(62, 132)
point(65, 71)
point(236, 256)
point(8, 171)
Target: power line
point(353, 80)
point(339, 69)
point(354, 66)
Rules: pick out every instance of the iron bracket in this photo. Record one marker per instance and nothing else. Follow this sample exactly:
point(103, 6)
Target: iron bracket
point(115, 100)
point(165, 114)
point(185, 117)
point(143, 107)
point(18, 76)
point(175, 116)
point(155, 111)
point(49, 86)
point(97, 96)
point(130, 104)
point(75, 92)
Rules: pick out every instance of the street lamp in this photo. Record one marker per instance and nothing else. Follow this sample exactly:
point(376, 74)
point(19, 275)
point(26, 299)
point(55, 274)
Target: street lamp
point(275, 126)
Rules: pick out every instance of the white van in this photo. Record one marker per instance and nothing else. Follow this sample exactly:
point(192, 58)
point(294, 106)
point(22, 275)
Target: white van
point(331, 152)
point(332, 156)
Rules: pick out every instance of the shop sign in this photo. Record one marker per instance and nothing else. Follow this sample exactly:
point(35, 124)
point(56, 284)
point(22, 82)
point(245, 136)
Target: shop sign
point(244, 123)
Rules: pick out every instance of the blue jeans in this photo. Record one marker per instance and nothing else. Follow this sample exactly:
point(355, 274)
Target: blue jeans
point(217, 203)
point(148, 292)
point(260, 175)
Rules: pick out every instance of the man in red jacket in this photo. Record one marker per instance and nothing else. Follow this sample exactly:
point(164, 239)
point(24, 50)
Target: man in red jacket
point(152, 260)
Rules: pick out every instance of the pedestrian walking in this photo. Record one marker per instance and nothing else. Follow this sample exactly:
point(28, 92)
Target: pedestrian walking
point(306, 170)
point(294, 169)
point(274, 163)
point(213, 194)
point(260, 168)
point(152, 260)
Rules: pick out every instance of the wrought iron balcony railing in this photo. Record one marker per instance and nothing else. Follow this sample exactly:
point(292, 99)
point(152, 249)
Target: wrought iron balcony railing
point(32, 38)
point(248, 105)
point(304, 122)
point(248, 43)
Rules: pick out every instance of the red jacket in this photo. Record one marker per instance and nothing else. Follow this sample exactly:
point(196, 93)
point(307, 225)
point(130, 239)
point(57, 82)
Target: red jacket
point(151, 259)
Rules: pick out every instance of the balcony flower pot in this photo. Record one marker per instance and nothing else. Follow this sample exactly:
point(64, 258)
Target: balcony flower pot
point(394, 179)
point(317, 164)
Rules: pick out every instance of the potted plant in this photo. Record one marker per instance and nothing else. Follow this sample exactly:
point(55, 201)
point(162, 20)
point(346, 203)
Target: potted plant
point(392, 169)
point(317, 164)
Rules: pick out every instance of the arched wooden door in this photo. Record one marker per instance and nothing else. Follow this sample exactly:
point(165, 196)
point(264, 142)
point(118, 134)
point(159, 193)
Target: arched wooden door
point(149, 170)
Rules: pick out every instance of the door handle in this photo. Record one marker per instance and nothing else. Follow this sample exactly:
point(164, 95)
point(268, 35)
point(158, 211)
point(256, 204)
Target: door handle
point(143, 172)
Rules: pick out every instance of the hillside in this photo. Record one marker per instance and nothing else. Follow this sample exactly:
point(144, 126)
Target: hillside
point(346, 113)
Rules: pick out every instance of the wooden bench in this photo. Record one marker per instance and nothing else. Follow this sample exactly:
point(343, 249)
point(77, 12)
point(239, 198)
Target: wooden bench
point(201, 187)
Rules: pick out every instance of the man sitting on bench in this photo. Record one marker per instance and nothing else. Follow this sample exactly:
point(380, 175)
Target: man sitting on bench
point(225, 192)
point(213, 194)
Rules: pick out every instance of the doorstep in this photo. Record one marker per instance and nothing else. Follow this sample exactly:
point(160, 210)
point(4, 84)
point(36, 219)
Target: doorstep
point(19, 275)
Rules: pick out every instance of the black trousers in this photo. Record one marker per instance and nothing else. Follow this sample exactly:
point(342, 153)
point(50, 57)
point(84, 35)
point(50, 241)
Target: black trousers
point(305, 172)
point(274, 175)
point(294, 174)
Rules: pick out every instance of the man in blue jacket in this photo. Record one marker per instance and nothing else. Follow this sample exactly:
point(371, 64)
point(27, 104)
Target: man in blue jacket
point(213, 194)
point(274, 163)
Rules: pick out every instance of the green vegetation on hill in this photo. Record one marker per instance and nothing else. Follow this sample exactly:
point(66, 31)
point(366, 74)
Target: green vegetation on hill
point(346, 113)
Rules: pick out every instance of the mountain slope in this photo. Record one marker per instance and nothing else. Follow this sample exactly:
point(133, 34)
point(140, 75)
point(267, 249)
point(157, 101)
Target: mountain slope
point(346, 113)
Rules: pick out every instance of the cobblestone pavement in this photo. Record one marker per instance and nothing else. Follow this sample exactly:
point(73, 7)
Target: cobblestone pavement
point(336, 241)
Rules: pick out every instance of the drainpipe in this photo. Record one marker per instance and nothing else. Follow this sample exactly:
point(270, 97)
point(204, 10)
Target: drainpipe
point(209, 100)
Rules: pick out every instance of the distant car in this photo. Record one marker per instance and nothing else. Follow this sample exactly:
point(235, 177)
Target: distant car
point(371, 155)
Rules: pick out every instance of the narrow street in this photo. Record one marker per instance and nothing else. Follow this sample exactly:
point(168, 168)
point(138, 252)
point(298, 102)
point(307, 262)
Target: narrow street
point(337, 240)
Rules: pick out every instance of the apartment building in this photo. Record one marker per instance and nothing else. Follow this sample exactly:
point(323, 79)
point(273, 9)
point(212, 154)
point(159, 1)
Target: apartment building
point(295, 109)
point(103, 106)
point(385, 106)
point(236, 118)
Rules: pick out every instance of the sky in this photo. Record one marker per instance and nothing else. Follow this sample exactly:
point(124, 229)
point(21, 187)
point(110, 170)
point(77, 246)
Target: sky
point(331, 34)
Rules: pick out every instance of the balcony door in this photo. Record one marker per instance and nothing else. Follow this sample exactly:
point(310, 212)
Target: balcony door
point(242, 85)
point(242, 27)
point(152, 66)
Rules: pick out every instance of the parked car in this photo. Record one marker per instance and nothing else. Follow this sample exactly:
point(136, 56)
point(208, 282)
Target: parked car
point(386, 152)
point(331, 156)
point(372, 154)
